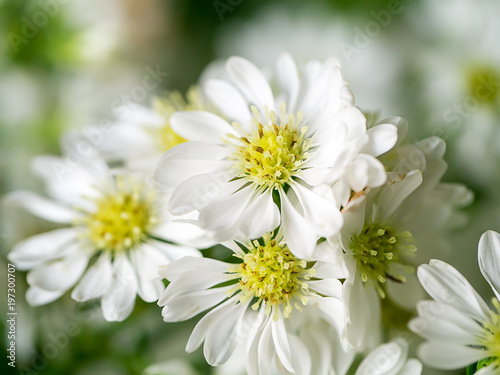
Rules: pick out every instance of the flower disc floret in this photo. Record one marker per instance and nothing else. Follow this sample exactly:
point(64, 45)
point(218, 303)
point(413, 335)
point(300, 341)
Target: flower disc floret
point(271, 155)
point(376, 248)
point(122, 217)
point(270, 273)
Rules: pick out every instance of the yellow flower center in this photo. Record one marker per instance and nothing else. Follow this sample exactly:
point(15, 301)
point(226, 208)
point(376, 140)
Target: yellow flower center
point(122, 217)
point(491, 338)
point(376, 248)
point(165, 136)
point(271, 155)
point(482, 82)
point(270, 273)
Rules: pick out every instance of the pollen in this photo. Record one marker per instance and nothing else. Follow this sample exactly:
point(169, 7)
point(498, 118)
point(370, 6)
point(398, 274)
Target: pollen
point(122, 217)
point(271, 155)
point(270, 274)
point(376, 249)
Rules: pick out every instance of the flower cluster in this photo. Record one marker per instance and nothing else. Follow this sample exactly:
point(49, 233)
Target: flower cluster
point(323, 215)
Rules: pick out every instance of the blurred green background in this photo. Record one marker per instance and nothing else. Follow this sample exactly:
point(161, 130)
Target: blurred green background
point(65, 64)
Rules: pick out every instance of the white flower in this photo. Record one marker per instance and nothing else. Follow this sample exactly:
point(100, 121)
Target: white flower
point(390, 359)
point(460, 327)
point(281, 307)
point(384, 227)
point(140, 135)
point(113, 246)
point(281, 147)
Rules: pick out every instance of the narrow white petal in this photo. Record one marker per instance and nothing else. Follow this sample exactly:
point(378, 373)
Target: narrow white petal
point(200, 126)
point(261, 216)
point(41, 248)
point(381, 138)
point(42, 207)
point(146, 261)
point(365, 171)
point(38, 297)
point(445, 284)
point(174, 252)
point(281, 343)
point(448, 356)
point(395, 193)
point(489, 259)
point(320, 212)
point(60, 274)
point(385, 359)
point(119, 300)
point(287, 77)
point(229, 100)
point(299, 236)
point(412, 367)
point(96, 281)
point(251, 82)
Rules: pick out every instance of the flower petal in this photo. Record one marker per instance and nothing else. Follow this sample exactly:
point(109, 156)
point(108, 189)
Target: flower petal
point(38, 297)
point(228, 100)
point(381, 138)
point(261, 216)
point(489, 259)
point(448, 356)
point(96, 281)
point(251, 82)
point(41, 248)
point(42, 207)
point(200, 126)
point(299, 236)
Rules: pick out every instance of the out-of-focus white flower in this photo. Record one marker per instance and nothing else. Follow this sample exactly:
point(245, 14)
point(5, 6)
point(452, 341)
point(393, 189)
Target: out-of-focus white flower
point(459, 62)
point(284, 309)
point(390, 359)
point(141, 135)
point(279, 146)
point(460, 327)
point(115, 241)
point(171, 367)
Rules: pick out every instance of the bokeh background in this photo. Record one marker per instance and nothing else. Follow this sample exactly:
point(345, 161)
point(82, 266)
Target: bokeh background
point(66, 64)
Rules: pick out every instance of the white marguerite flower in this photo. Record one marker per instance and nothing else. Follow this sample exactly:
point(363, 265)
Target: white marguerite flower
point(390, 359)
point(287, 311)
point(459, 327)
point(113, 245)
point(384, 227)
point(262, 170)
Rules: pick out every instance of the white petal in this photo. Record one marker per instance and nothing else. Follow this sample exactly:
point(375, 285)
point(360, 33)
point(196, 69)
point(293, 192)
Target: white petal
point(42, 207)
point(146, 261)
point(381, 138)
point(394, 193)
point(251, 82)
point(228, 100)
point(327, 287)
point(412, 367)
point(287, 77)
point(220, 215)
point(200, 126)
point(38, 297)
point(384, 360)
point(60, 274)
point(447, 356)
point(445, 284)
point(198, 191)
point(442, 330)
point(118, 302)
point(265, 349)
point(96, 280)
point(281, 343)
point(365, 171)
point(187, 305)
point(261, 216)
point(299, 236)
point(301, 363)
point(489, 259)
point(223, 335)
point(323, 214)
point(41, 248)
point(171, 172)
point(174, 252)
